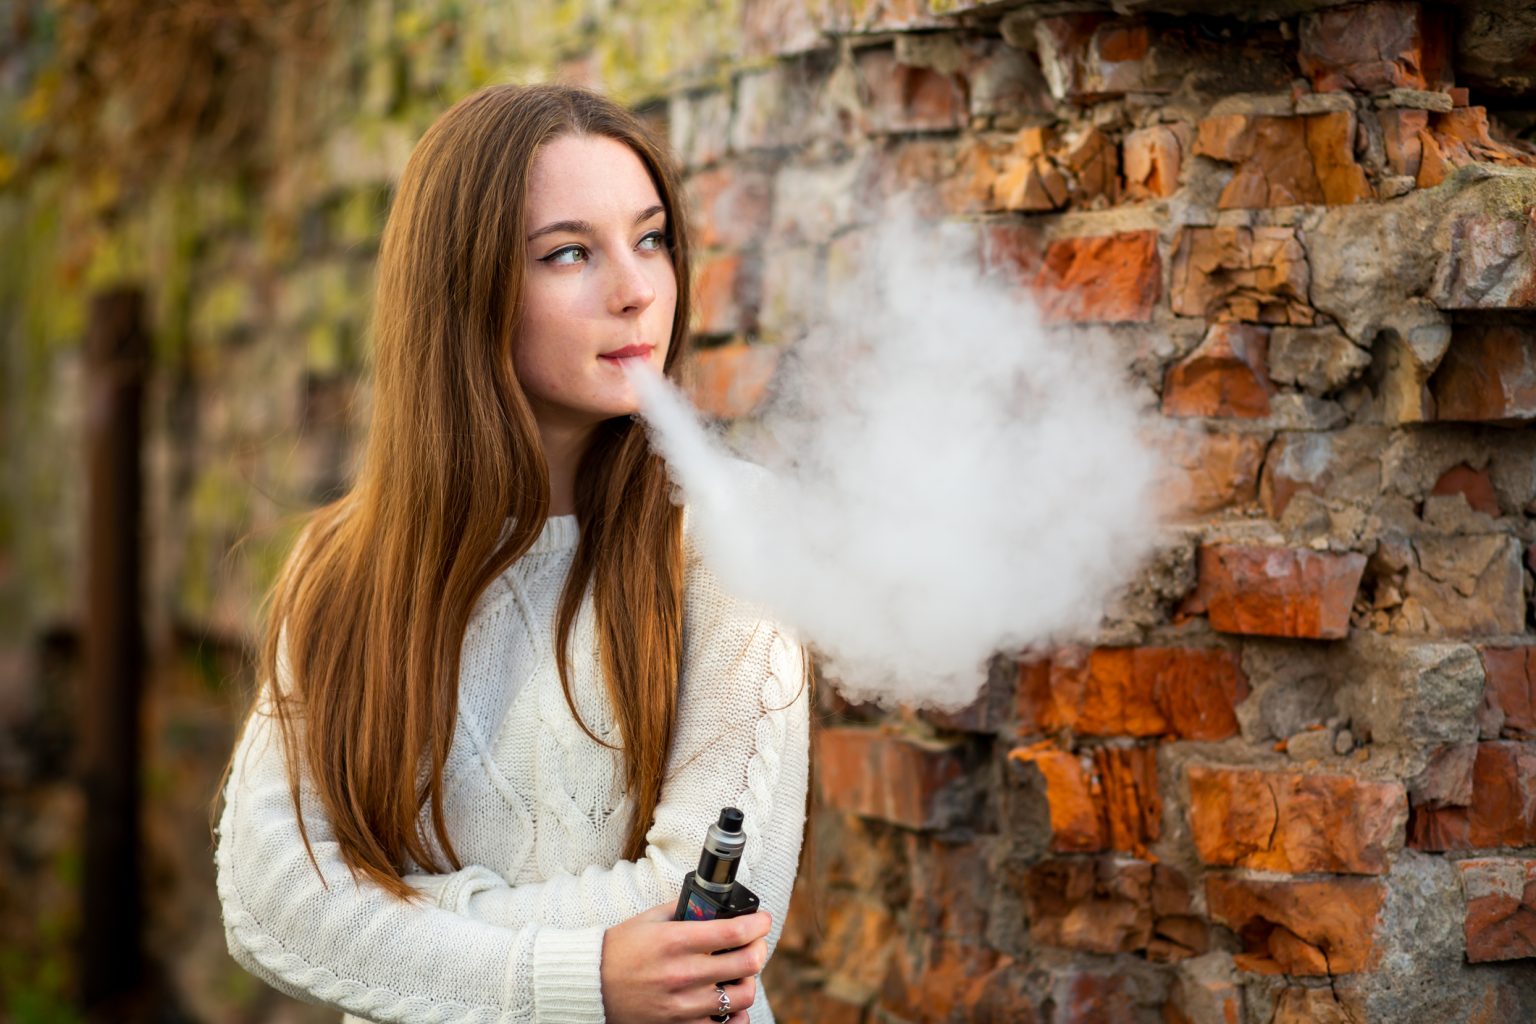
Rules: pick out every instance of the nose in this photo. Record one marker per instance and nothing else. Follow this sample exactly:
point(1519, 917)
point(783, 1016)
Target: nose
point(631, 291)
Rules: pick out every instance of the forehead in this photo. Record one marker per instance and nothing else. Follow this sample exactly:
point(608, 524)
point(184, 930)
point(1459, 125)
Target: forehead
point(588, 177)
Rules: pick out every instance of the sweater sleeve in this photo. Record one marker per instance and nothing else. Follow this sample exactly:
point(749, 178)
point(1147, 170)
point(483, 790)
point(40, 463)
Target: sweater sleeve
point(741, 740)
point(347, 943)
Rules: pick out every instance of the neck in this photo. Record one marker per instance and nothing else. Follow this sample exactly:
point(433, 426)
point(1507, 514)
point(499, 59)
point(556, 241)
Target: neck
point(564, 445)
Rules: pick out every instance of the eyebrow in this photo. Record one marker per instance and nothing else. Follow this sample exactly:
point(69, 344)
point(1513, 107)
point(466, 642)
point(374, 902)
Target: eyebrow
point(583, 227)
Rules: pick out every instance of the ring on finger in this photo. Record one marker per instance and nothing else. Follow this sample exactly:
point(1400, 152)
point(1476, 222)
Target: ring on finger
point(724, 1013)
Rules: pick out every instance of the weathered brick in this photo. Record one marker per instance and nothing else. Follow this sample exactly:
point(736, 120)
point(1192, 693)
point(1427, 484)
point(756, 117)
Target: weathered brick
point(1103, 997)
point(947, 981)
point(858, 938)
point(1320, 360)
point(728, 381)
point(1400, 130)
point(730, 207)
point(1493, 806)
point(1204, 472)
point(1104, 279)
point(1152, 159)
point(1227, 375)
point(1488, 374)
point(950, 886)
point(1285, 161)
point(721, 294)
point(898, 779)
point(1269, 591)
point(1030, 180)
point(1099, 905)
point(1187, 692)
point(1500, 922)
point(1472, 484)
point(1299, 927)
point(1374, 47)
point(1509, 696)
point(1287, 821)
point(1456, 138)
point(1087, 56)
point(1103, 800)
point(902, 98)
point(1237, 273)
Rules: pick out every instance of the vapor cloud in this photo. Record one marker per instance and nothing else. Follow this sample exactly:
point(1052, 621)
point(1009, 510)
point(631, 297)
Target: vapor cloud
point(945, 479)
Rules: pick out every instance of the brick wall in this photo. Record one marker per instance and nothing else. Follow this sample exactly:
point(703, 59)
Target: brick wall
point(1293, 778)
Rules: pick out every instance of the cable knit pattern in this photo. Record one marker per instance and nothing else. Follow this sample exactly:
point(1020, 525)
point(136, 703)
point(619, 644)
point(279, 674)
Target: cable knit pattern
point(536, 810)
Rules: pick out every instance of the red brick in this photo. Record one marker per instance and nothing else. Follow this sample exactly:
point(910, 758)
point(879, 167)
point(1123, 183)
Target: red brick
point(1013, 252)
point(1227, 375)
point(1299, 927)
point(1285, 161)
point(1072, 797)
point(1509, 695)
point(718, 294)
point(1204, 472)
point(1289, 822)
point(1494, 808)
point(1501, 908)
point(896, 779)
point(1472, 484)
point(1488, 375)
point(1104, 279)
point(902, 98)
point(1269, 591)
point(1030, 180)
point(1374, 47)
point(1187, 692)
point(1087, 57)
point(1259, 275)
point(1104, 800)
point(730, 207)
point(1460, 137)
point(937, 980)
point(1152, 159)
point(1100, 905)
point(728, 381)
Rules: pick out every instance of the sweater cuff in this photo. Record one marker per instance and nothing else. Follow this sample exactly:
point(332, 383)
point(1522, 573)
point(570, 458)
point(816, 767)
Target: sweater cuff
point(567, 975)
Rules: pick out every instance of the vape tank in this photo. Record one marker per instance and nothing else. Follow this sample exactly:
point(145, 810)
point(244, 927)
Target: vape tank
point(712, 891)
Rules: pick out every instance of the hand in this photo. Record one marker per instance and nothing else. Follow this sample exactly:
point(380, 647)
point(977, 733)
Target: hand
point(660, 971)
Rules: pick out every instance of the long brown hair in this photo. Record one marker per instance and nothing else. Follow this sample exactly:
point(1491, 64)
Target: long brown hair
point(373, 603)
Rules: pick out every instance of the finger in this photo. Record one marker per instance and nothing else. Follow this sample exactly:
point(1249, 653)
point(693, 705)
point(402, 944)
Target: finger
point(660, 912)
point(709, 936)
point(708, 1002)
point(743, 993)
point(738, 963)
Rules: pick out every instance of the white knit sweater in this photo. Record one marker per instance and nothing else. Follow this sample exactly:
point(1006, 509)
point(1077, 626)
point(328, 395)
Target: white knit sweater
point(536, 810)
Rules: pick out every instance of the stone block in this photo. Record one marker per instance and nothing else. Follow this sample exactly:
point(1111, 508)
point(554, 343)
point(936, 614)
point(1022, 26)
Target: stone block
point(1488, 264)
point(1342, 465)
point(899, 97)
point(1321, 927)
point(1462, 586)
point(1501, 908)
point(1319, 360)
point(1295, 823)
point(1103, 279)
point(1101, 905)
point(1106, 799)
point(1226, 376)
point(1259, 275)
point(1269, 591)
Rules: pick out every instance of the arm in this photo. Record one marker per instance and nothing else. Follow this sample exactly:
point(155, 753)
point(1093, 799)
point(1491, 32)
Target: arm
point(353, 946)
point(741, 740)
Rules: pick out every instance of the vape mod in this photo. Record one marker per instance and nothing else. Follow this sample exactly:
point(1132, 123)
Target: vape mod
point(712, 891)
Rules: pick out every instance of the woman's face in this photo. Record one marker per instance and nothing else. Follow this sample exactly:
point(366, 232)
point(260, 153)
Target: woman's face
point(600, 287)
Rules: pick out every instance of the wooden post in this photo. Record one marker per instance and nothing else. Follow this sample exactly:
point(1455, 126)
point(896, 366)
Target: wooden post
point(111, 953)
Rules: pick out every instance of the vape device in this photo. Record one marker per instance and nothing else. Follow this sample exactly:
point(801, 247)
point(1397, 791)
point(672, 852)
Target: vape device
point(712, 891)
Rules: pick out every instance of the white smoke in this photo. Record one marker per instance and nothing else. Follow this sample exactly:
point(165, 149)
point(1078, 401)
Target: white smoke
point(946, 478)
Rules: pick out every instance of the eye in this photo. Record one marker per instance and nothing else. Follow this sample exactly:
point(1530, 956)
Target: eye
point(558, 256)
point(659, 238)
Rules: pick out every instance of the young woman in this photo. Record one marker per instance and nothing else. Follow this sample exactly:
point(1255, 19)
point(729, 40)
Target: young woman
point(505, 700)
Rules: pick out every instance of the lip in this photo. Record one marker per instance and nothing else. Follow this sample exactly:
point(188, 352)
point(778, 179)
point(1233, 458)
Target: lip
point(629, 352)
